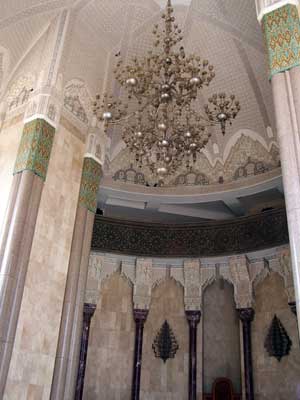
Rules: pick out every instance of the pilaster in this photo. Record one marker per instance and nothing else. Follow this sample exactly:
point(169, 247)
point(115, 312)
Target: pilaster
point(68, 350)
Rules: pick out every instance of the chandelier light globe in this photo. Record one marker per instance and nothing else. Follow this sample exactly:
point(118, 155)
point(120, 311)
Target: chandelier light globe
point(131, 82)
point(162, 123)
point(139, 134)
point(107, 116)
point(162, 127)
point(162, 171)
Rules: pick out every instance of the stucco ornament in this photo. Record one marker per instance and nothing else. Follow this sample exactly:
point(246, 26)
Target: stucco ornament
point(143, 284)
point(240, 278)
point(192, 285)
point(285, 270)
point(77, 100)
point(100, 269)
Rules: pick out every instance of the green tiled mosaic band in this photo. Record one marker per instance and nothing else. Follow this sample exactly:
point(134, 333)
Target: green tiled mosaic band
point(282, 33)
point(89, 186)
point(35, 148)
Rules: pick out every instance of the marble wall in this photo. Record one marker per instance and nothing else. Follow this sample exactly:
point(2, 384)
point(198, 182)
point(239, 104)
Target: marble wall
point(10, 136)
point(221, 345)
point(111, 344)
point(273, 379)
point(33, 357)
point(166, 380)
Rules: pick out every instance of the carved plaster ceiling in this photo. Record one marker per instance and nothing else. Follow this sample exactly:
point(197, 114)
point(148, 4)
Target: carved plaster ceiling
point(224, 31)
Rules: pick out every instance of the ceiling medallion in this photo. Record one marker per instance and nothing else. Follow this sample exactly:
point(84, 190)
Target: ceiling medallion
point(161, 121)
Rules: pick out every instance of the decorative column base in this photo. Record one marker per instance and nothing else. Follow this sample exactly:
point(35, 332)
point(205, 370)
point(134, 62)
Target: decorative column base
point(140, 317)
point(193, 318)
point(88, 312)
point(246, 316)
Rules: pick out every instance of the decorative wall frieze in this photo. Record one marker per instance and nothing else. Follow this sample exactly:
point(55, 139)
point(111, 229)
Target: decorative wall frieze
point(252, 233)
point(246, 155)
point(244, 272)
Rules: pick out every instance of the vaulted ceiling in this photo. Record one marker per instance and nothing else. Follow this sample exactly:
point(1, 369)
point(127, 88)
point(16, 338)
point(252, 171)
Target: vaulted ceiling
point(224, 31)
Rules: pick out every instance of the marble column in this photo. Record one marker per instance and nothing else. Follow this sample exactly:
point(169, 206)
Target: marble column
point(246, 316)
point(281, 28)
point(67, 354)
point(140, 317)
point(18, 230)
point(88, 312)
point(193, 318)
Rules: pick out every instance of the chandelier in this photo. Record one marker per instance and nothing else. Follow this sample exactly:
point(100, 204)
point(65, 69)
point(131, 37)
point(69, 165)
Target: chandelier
point(161, 121)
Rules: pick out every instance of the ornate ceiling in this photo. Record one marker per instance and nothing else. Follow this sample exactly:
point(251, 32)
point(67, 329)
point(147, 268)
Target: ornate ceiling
point(224, 31)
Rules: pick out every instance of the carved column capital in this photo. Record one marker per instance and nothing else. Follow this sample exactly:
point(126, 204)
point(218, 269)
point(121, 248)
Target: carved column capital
point(140, 316)
point(193, 317)
point(293, 307)
point(246, 314)
point(88, 311)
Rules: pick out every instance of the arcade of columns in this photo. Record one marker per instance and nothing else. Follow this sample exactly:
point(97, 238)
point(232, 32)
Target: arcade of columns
point(280, 23)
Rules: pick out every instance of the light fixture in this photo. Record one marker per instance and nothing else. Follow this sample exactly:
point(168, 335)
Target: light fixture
point(160, 119)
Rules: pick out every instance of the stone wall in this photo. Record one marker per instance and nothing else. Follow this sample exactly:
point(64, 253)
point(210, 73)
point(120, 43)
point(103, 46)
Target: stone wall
point(111, 344)
point(273, 379)
point(166, 380)
point(34, 352)
point(10, 136)
point(221, 345)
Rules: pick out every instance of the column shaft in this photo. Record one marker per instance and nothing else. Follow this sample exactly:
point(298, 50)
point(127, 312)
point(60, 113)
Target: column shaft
point(67, 354)
point(79, 307)
point(246, 315)
point(286, 96)
point(193, 318)
point(140, 317)
point(15, 254)
point(67, 319)
point(88, 313)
